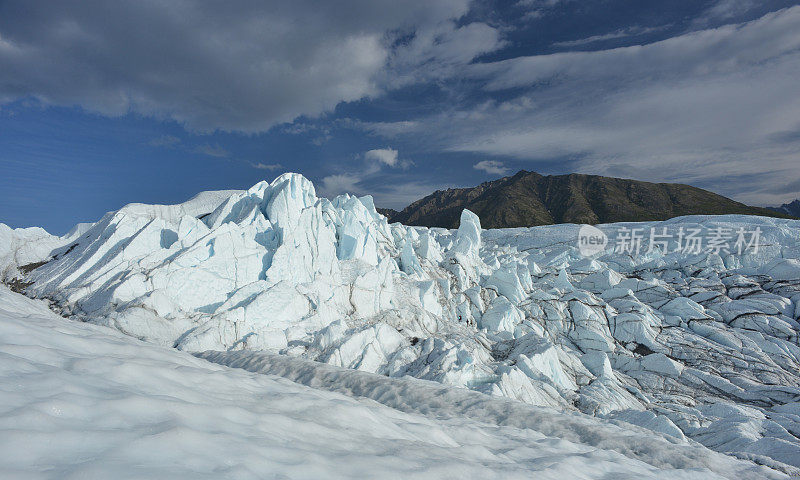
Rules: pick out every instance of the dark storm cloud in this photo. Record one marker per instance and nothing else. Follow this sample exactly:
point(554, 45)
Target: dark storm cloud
point(241, 66)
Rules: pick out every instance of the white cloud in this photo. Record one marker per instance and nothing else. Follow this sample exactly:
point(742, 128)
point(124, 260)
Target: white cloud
point(699, 108)
point(491, 166)
point(386, 156)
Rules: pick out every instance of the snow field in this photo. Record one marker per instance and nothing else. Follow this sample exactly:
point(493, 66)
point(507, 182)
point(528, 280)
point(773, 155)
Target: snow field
point(82, 401)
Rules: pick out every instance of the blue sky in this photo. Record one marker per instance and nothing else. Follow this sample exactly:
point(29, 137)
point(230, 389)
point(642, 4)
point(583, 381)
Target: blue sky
point(105, 103)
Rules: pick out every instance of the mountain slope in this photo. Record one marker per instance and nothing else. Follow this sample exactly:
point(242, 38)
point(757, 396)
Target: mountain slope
point(530, 199)
point(792, 208)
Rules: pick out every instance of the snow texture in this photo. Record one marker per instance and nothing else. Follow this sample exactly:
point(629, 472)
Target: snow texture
point(80, 401)
point(703, 346)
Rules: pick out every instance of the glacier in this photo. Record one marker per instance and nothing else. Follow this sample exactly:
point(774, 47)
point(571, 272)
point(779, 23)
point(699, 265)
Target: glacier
point(82, 401)
point(696, 347)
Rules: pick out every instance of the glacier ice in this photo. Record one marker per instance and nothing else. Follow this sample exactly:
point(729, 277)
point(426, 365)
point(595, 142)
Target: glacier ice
point(84, 401)
point(702, 345)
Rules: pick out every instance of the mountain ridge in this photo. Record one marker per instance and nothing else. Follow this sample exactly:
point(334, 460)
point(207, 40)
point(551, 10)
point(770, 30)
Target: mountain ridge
point(530, 199)
point(792, 208)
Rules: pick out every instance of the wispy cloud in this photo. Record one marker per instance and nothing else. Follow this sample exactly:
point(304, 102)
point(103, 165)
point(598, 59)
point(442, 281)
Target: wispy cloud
point(534, 9)
point(267, 166)
point(376, 164)
point(395, 195)
point(165, 141)
point(440, 52)
point(791, 187)
point(341, 183)
point(214, 150)
point(321, 133)
point(724, 10)
point(623, 33)
point(400, 195)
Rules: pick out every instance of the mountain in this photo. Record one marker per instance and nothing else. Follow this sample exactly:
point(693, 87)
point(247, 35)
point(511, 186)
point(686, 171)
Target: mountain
point(792, 208)
point(530, 199)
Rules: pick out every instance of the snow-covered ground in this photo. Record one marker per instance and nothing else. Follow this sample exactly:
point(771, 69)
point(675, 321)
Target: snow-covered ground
point(79, 401)
point(700, 345)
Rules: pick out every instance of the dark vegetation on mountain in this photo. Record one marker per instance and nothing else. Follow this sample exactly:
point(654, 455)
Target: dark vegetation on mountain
point(529, 199)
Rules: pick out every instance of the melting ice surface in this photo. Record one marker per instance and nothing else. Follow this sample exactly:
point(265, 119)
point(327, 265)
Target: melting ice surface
point(703, 346)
